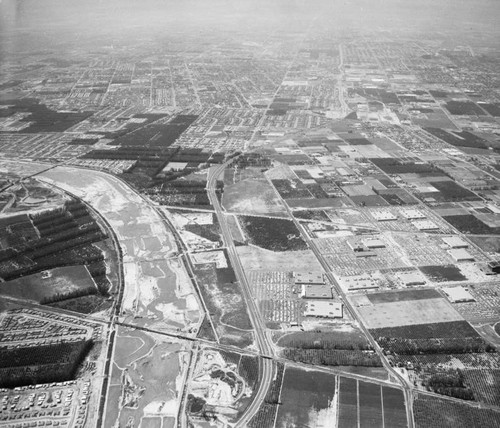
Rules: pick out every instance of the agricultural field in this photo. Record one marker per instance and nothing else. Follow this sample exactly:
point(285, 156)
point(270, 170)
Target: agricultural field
point(443, 273)
point(432, 412)
point(55, 362)
point(471, 225)
point(51, 285)
point(43, 251)
point(402, 295)
point(335, 346)
point(308, 399)
point(63, 354)
point(223, 296)
point(272, 234)
point(490, 244)
point(222, 384)
point(252, 197)
point(368, 404)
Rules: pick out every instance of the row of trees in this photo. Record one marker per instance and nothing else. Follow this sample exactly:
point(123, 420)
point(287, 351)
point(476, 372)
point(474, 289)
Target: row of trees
point(460, 345)
point(333, 357)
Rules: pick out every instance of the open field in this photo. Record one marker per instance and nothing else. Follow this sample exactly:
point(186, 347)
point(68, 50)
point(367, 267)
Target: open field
point(41, 287)
point(308, 399)
point(252, 197)
point(407, 313)
point(223, 296)
point(255, 258)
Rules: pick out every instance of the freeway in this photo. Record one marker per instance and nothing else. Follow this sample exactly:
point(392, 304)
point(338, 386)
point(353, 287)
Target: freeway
point(265, 348)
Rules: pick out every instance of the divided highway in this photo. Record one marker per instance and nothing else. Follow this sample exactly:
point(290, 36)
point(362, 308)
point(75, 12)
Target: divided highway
point(265, 348)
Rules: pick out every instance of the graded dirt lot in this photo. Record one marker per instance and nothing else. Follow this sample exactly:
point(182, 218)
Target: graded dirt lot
point(408, 313)
point(252, 197)
point(254, 258)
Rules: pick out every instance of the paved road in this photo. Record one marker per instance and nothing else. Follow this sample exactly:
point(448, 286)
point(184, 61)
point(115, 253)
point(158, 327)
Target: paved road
point(265, 348)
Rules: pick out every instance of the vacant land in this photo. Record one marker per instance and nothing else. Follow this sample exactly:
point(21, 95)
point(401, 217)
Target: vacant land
point(252, 197)
point(254, 258)
point(224, 300)
point(408, 313)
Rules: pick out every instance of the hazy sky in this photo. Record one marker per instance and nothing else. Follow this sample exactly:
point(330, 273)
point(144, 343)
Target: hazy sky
point(91, 17)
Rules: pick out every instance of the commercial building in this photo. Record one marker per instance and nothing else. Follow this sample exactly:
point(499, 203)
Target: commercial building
point(458, 294)
point(324, 309)
point(409, 279)
point(308, 278)
point(455, 242)
point(384, 216)
point(461, 255)
point(364, 281)
point(425, 225)
point(316, 291)
point(412, 214)
point(373, 243)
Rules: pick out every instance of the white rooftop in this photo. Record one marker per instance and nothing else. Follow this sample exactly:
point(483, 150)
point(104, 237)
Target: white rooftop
point(459, 254)
point(455, 242)
point(326, 309)
point(425, 225)
point(458, 294)
point(383, 216)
